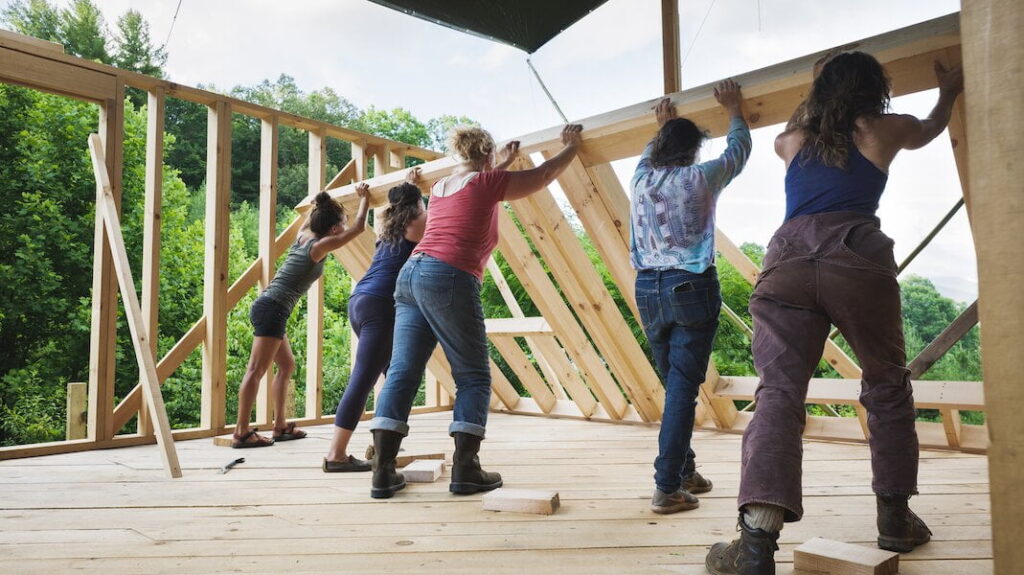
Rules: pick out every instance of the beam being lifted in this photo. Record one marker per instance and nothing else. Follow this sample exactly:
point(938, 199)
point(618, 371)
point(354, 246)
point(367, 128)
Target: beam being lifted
point(771, 95)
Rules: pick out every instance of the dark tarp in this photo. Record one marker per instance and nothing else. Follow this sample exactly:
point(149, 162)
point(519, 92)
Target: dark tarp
point(525, 24)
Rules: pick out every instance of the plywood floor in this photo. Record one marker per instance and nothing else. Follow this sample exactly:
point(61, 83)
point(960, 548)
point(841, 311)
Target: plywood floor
point(113, 511)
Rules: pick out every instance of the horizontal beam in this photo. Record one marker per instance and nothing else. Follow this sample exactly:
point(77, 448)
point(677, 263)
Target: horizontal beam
point(930, 435)
point(42, 67)
point(771, 93)
point(967, 395)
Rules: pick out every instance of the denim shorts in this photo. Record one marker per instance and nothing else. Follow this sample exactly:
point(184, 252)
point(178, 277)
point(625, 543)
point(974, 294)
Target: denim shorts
point(268, 318)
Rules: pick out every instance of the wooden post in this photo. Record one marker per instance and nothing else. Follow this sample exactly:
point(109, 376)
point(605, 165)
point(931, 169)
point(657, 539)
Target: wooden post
point(107, 208)
point(315, 296)
point(77, 417)
point(215, 279)
point(151, 230)
point(268, 233)
point(993, 49)
point(103, 331)
point(670, 44)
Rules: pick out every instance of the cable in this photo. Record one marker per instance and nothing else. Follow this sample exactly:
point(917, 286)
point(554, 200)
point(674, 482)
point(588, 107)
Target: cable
point(173, 20)
point(545, 88)
point(697, 35)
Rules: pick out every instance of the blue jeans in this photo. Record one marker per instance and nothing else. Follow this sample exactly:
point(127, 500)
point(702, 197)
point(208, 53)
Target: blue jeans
point(679, 310)
point(437, 303)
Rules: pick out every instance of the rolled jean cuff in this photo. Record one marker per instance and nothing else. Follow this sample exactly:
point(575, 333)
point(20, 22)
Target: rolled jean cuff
point(389, 424)
point(791, 513)
point(465, 427)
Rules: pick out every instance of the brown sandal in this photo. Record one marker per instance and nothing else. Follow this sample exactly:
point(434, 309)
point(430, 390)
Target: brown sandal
point(289, 433)
point(243, 441)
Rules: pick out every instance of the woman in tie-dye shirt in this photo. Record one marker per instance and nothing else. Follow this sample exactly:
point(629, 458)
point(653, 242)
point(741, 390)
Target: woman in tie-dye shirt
point(677, 292)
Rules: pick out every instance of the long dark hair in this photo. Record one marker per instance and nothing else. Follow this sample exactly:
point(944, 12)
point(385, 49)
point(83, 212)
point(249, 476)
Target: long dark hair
point(851, 85)
point(403, 207)
point(677, 144)
point(325, 215)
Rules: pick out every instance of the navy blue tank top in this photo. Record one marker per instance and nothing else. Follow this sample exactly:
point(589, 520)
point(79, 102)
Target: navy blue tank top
point(382, 276)
point(814, 188)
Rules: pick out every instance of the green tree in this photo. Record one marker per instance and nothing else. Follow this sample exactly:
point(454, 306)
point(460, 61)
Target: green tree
point(398, 124)
point(82, 31)
point(133, 48)
point(36, 18)
point(438, 128)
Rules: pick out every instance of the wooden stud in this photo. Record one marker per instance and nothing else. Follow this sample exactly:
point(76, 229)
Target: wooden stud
point(423, 470)
point(498, 277)
point(215, 279)
point(585, 290)
point(77, 415)
point(531, 273)
point(721, 410)
point(103, 331)
point(992, 51)
point(151, 228)
point(269, 138)
point(670, 44)
point(136, 323)
point(604, 226)
point(315, 295)
point(521, 501)
point(567, 375)
point(509, 348)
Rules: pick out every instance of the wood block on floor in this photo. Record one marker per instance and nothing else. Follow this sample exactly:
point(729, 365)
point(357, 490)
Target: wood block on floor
point(404, 460)
point(223, 440)
point(423, 470)
point(521, 501)
point(837, 558)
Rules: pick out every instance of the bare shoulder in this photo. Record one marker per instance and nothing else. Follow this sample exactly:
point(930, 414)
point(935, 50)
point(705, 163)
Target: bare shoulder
point(789, 143)
point(888, 127)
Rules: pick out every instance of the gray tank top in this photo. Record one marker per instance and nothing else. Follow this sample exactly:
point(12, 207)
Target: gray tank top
point(295, 275)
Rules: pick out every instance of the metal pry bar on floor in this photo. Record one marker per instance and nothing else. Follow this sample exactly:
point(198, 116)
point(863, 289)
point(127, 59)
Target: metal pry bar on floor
point(231, 464)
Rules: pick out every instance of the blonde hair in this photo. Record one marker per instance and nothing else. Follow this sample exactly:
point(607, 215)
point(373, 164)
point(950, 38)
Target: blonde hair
point(470, 143)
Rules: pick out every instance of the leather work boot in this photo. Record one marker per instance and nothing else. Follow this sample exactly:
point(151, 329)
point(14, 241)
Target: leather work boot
point(696, 484)
point(899, 528)
point(467, 476)
point(386, 481)
point(752, 554)
point(681, 500)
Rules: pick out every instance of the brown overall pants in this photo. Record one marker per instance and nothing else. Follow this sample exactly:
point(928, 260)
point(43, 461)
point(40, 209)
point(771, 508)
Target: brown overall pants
point(821, 269)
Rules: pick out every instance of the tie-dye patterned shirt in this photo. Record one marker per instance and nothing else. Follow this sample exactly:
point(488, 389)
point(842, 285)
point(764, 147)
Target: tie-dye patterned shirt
point(673, 208)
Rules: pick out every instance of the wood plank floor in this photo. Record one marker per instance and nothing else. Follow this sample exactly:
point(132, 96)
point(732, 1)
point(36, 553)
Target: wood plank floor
point(114, 512)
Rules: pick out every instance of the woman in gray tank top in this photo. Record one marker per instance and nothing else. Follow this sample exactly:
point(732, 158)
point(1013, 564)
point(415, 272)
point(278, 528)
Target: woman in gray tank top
point(324, 232)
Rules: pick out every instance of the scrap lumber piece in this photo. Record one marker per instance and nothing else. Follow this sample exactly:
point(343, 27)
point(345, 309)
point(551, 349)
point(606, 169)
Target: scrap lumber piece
point(522, 501)
point(423, 470)
point(837, 558)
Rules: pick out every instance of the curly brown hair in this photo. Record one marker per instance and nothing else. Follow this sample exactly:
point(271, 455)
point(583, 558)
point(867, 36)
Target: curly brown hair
point(403, 207)
point(851, 85)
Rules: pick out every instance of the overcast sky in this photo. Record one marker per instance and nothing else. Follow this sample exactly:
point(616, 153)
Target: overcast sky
point(612, 58)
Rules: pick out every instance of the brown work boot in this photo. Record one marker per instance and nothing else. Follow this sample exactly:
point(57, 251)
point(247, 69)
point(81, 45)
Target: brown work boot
point(681, 500)
point(696, 484)
point(899, 528)
point(752, 554)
